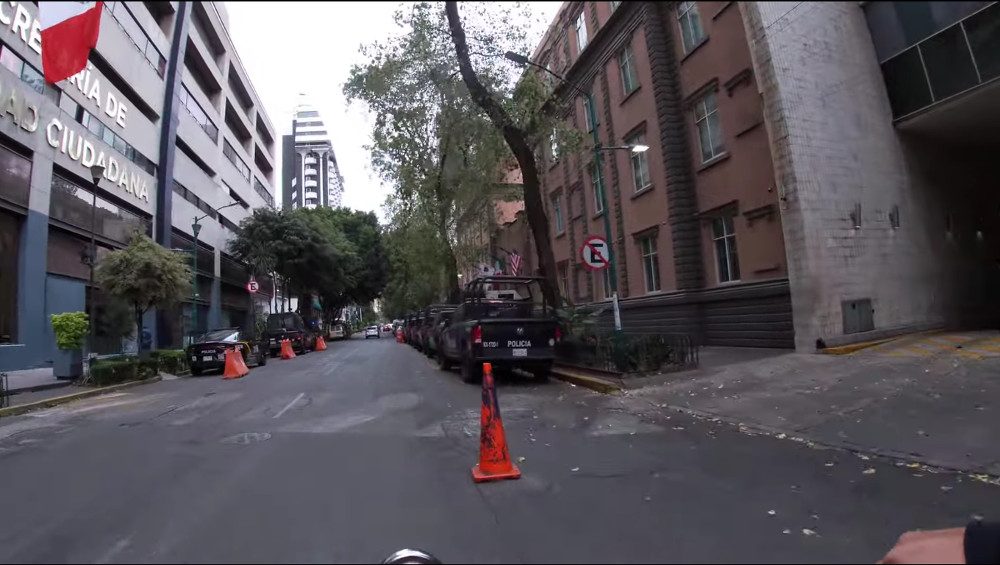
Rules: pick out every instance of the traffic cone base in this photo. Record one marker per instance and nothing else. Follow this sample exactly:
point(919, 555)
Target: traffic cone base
point(494, 458)
point(320, 344)
point(235, 366)
point(286, 349)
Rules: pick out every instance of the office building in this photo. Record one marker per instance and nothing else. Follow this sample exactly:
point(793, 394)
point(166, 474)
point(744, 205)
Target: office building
point(166, 105)
point(310, 170)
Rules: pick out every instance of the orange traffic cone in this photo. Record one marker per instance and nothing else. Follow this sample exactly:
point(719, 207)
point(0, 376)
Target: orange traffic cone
point(399, 336)
point(320, 344)
point(494, 459)
point(286, 349)
point(235, 366)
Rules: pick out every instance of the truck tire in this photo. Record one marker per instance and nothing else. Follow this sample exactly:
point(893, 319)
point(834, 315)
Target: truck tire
point(541, 373)
point(472, 373)
point(443, 362)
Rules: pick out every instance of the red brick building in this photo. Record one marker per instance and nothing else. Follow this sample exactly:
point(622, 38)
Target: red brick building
point(696, 228)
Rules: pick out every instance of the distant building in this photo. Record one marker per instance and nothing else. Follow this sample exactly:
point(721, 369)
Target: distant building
point(310, 171)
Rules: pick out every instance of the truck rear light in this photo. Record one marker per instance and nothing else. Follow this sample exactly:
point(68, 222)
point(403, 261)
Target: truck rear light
point(558, 333)
point(477, 335)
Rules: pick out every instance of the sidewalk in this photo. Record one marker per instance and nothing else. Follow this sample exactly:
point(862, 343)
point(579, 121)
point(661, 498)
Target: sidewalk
point(31, 380)
point(942, 409)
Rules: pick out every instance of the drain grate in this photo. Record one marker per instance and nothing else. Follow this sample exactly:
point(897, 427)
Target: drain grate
point(247, 438)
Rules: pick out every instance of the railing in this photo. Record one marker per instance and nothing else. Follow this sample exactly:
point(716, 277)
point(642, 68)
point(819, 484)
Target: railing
point(4, 391)
point(630, 354)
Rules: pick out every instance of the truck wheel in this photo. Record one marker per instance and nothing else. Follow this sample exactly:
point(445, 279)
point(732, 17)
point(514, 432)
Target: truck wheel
point(471, 372)
point(541, 373)
point(195, 372)
point(443, 362)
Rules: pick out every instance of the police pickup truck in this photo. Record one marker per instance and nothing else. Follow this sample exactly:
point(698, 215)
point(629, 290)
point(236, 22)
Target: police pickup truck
point(502, 320)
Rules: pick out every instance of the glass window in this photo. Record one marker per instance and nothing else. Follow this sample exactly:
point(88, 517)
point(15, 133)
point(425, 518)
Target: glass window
point(33, 78)
point(650, 263)
point(558, 212)
point(590, 113)
point(726, 257)
point(983, 30)
point(15, 177)
point(595, 182)
point(949, 63)
point(906, 83)
point(706, 118)
point(11, 60)
point(626, 64)
point(614, 5)
point(581, 31)
point(690, 22)
point(72, 204)
point(564, 279)
point(640, 166)
point(554, 146)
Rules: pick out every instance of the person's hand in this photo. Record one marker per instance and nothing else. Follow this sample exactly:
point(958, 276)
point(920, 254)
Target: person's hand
point(934, 546)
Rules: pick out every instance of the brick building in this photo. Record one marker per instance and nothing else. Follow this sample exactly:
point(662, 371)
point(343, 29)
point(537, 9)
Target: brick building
point(787, 143)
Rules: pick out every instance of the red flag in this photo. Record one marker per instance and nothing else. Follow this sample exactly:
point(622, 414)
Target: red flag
point(69, 32)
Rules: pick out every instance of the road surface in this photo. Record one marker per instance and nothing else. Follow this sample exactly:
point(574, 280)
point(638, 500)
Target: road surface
point(349, 454)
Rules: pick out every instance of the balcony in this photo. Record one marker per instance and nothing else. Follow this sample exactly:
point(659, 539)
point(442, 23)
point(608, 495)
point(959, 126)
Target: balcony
point(311, 195)
point(310, 183)
point(929, 53)
point(310, 160)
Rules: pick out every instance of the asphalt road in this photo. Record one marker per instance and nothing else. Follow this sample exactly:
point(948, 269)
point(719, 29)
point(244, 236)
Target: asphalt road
point(349, 454)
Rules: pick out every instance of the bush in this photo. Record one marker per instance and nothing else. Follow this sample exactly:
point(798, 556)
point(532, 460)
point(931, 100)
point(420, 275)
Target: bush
point(173, 361)
point(107, 372)
point(71, 329)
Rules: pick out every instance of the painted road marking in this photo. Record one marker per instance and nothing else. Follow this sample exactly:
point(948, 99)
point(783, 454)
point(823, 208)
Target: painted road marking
point(290, 404)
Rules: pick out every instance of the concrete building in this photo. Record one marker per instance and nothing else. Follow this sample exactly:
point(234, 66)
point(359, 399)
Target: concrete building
point(166, 105)
point(310, 171)
point(816, 172)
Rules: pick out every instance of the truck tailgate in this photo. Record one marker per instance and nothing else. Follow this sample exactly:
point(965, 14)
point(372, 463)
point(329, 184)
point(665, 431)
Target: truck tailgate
point(528, 339)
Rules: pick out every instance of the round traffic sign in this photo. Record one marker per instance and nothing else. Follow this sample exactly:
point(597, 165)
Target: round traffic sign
point(253, 287)
point(595, 253)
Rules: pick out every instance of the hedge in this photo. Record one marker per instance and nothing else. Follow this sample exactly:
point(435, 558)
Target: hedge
point(173, 361)
point(113, 371)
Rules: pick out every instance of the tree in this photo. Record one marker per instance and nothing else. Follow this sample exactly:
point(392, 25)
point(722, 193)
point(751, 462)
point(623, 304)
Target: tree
point(523, 116)
point(429, 141)
point(145, 275)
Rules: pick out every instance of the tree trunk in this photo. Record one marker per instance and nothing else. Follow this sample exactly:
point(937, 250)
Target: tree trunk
point(517, 140)
point(452, 289)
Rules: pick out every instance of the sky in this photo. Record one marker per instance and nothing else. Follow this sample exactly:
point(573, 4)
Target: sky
point(292, 47)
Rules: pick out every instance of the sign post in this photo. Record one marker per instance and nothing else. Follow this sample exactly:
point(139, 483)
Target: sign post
point(253, 286)
point(596, 255)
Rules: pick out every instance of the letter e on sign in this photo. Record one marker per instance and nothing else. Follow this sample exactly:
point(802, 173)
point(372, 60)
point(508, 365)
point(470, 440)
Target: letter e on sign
point(253, 287)
point(595, 253)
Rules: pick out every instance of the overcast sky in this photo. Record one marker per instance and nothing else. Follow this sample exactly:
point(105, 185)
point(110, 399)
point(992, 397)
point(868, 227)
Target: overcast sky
point(293, 47)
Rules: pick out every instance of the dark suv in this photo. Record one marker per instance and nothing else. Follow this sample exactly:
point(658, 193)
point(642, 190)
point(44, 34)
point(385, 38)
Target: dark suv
point(289, 325)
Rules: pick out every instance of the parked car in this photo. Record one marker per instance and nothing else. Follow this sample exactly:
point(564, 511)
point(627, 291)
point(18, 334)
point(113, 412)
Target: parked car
point(208, 352)
point(411, 325)
point(387, 327)
point(441, 320)
point(289, 325)
point(336, 331)
point(373, 331)
point(505, 321)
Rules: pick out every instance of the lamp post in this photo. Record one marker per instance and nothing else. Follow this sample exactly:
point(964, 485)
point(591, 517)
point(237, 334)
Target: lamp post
point(96, 173)
point(592, 117)
point(195, 229)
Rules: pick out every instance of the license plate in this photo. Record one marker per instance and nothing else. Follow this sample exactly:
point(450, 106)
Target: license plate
point(222, 357)
point(520, 353)
point(207, 358)
point(274, 341)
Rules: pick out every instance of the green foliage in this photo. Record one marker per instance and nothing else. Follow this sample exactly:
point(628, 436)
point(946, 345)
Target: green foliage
point(114, 319)
point(173, 361)
point(70, 329)
point(336, 255)
point(145, 275)
point(107, 372)
point(432, 144)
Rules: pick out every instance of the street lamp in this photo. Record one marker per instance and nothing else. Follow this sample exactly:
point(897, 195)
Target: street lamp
point(592, 116)
point(96, 173)
point(195, 229)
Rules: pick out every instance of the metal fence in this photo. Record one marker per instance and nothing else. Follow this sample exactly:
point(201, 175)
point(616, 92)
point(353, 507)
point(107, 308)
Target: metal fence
point(640, 354)
point(4, 391)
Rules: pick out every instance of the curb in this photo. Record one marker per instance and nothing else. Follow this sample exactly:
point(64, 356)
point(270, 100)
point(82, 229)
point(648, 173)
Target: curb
point(602, 386)
point(846, 446)
point(853, 347)
point(49, 402)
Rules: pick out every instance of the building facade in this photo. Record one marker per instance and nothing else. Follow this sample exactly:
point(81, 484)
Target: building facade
point(816, 172)
point(167, 107)
point(310, 170)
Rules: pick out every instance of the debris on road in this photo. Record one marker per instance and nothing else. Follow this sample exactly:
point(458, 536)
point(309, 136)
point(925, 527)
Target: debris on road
point(868, 471)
